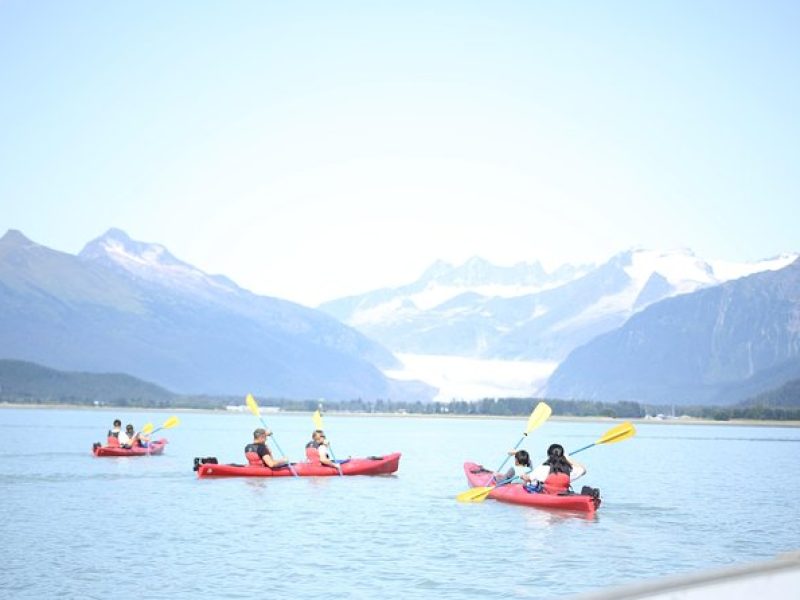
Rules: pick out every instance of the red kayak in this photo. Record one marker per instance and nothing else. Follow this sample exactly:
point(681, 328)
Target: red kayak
point(515, 493)
point(156, 447)
point(373, 465)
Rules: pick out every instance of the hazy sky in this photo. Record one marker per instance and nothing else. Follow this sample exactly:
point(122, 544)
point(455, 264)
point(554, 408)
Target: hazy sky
point(310, 150)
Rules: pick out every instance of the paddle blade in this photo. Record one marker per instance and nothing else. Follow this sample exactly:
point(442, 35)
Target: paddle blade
point(171, 422)
point(251, 404)
point(616, 434)
point(476, 494)
point(317, 418)
point(539, 415)
point(147, 429)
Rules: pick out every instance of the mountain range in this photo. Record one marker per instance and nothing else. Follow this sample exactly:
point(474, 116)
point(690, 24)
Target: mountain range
point(647, 326)
point(125, 306)
point(522, 312)
point(717, 345)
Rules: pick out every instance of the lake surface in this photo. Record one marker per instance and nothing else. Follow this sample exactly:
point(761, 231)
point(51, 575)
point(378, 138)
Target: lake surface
point(677, 498)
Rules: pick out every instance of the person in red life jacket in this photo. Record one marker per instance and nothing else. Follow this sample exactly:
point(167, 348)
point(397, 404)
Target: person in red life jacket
point(126, 438)
point(317, 450)
point(258, 453)
point(112, 438)
point(555, 475)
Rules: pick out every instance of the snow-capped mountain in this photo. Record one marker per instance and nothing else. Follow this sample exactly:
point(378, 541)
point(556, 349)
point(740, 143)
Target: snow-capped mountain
point(720, 344)
point(131, 307)
point(442, 283)
point(523, 314)
point(154, 263)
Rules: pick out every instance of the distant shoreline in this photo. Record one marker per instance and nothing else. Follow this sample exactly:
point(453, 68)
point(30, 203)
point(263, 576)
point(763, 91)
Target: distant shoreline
point(347, 414)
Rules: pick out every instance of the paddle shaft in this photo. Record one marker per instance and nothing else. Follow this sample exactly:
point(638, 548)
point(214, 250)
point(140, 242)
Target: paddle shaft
point(582, 449)
point(333, 458)
point(517, 445)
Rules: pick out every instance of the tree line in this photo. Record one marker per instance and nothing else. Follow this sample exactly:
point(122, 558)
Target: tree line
point(488, 407)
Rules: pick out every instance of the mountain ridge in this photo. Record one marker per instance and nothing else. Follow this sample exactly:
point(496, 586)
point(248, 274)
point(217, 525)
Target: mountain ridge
point(502, 320)
point(132, 307)
point(716, 345)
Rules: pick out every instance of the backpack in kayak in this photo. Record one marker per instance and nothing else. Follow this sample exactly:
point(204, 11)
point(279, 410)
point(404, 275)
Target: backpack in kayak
point(590, 491)
point(209, 460)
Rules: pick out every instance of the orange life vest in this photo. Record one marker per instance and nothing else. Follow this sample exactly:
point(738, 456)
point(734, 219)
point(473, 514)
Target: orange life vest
point(556, 483)
point(252, 456)
point(312, 455)
point(253, 459)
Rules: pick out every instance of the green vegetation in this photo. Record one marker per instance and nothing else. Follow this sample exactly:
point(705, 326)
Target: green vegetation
point(28, 383)
point(786, 396)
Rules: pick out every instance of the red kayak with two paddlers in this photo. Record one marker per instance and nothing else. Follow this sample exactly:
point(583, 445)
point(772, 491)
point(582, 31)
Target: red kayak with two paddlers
point(155, 447)
point(372, 465)
point(516, 493)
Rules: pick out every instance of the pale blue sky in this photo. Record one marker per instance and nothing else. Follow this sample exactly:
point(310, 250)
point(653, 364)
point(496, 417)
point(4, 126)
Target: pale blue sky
point(314, 149)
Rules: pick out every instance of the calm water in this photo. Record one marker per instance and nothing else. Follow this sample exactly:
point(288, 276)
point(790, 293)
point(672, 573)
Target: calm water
point(677, 498)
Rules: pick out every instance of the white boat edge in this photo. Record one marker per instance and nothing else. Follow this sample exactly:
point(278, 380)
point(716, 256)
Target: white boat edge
point(778, 578)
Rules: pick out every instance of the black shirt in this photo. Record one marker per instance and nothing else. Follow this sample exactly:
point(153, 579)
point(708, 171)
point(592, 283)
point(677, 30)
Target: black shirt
point(260, 449)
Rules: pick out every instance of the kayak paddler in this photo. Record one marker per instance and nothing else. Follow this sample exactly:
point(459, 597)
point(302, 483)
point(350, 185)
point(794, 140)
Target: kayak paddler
point(259, 454)
point(555, 474)
point(317, 450)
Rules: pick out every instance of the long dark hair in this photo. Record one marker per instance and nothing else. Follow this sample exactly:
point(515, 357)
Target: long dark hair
point(556, 460)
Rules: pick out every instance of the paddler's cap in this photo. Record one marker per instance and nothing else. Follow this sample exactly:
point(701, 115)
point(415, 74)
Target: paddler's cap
point(259, 432)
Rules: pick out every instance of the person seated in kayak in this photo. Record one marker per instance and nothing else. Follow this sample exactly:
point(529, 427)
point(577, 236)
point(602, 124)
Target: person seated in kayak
point(141, 439)
point(258, 453)
point(317, 450)
point(554, 475)
point(126, 438)
point(113, 433)
point(521, 468)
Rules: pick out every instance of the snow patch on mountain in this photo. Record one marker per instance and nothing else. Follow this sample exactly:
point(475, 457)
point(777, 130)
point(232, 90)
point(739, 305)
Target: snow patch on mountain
point(683, 273)
point(726, 270)
point(152, 262)
point(681, 268)
point(460, 378)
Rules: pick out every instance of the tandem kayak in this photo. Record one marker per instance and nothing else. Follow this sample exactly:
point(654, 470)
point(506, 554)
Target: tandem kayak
point(372, 465)
point(156, 447)
point(515, 493)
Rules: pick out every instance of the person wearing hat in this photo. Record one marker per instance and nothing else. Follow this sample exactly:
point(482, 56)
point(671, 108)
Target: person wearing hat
point(258, 453)
point(555, 475)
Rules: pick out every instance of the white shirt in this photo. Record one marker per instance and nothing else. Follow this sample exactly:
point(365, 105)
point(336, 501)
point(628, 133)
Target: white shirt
point(323, 452)
point(123, 438)
point(520, 470)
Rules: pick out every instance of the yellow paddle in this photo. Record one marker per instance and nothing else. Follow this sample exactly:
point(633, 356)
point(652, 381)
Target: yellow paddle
point(623, 431)
point(253, 406)
point(168, 424)
point(148, 429)
point(539, 415)
point(618, 433)
point(317, 418)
